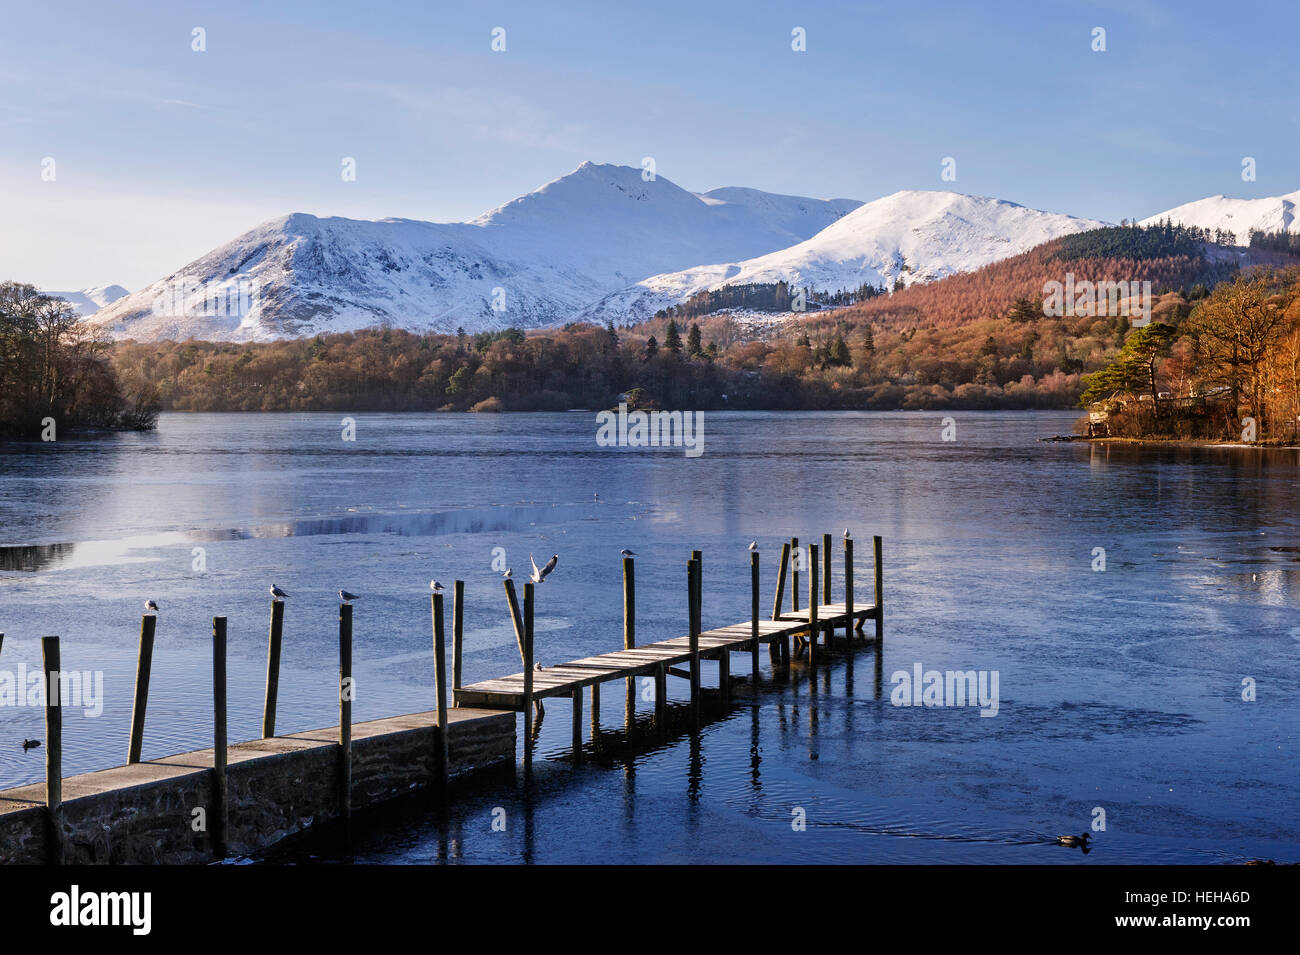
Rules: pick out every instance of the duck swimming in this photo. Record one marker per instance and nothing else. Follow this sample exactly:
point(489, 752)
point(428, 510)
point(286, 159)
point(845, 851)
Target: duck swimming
point(1074, 842)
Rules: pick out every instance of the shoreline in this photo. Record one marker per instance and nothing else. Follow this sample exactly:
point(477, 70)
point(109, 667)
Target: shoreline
point(1181, 442)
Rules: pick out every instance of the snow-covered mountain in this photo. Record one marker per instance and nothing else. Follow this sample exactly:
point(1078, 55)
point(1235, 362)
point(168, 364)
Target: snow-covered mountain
point(917, 236)
point(537, 260)
point(1239, 216)
point(90, 300)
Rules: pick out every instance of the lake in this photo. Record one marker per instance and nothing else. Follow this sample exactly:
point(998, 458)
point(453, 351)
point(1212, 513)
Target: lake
point(1119, 689)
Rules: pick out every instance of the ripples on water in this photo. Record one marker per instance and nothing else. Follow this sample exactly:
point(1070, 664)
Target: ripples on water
point(1119, 689)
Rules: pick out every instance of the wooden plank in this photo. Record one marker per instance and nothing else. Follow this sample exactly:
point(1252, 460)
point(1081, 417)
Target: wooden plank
point(826, 568)
point(753, 616)
point(457, 630)
point(516, 618)
point(440, 761)
point(274, 640)
point(220, 790)
point(812, 605)
point(794, 574)
point(780, 581)
point(143, 666)
point(693, 584)
point(53, 750)
point(880, 589)
point(345, 703)
point(848, 589)
point(629, 636)
point(527, 647)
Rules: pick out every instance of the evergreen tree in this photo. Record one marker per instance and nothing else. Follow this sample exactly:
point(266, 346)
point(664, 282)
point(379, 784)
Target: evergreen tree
point(651, 347)
point(694, 346)
point(673, 338)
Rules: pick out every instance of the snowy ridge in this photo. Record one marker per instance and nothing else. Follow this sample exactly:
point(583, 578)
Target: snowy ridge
point(87, 301)
point(539, 259)
point(916, 236)
point(600, 244)
point(1239, 216)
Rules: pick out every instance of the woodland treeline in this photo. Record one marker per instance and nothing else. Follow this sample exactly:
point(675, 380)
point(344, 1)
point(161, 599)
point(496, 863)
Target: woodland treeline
point(53, 366)
point(1229, 368)
point(977, 340)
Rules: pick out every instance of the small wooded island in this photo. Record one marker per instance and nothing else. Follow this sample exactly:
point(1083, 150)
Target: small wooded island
point(1229, 370)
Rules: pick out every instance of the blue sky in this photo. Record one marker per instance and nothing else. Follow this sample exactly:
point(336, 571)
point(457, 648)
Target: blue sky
point(162, 153)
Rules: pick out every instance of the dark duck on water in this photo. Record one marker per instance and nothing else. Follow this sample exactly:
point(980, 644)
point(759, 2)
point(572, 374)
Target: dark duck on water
point(1075, 842)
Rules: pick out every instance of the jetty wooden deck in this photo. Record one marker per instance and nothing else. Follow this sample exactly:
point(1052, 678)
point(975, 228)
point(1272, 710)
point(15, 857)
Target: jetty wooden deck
point(564, 679)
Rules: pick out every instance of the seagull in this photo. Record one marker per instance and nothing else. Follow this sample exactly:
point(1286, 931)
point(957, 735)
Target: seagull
point(846, 533)
point(628, 553)
point(595, 496)
point(277, 593)
point(510, 572)
point(753, 545)
point(538, 666)
point(30, 744)
point(540, 575)
point(150, 606)
point(435, 586)
point(346, 597)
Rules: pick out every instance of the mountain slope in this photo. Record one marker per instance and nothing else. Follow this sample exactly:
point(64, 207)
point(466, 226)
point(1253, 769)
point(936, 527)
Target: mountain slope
point(538, 259)
point(917, 236)
point(1239, 216)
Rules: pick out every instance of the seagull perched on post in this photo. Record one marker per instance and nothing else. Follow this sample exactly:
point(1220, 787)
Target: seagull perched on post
point(628, 553)
point(346, 597)
point(277, 593)
point(753, 545)
point(435, 586)
point(540, 575)
point(510, 572)
point(150, 606)
point(846, 533)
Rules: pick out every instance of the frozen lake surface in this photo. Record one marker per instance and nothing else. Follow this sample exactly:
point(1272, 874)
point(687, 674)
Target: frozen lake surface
point(1119, 689)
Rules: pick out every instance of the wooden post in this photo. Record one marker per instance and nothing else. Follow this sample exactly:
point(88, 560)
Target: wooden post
point(661, 695)
point(457, 632)
point(273, 668)
point(528, 670)
point(880, 590)
point(629, 634)
point(698, 557)
point(794, 589)
point(812, 604)
point(724, 674)
point(53, 751)
point(595, 713)
point(345, 709)
point(826, 571)
point(692, 583)
point(516, 618)
point(220, 791)
point(440, 768)
point(577, 725)
point(2, 641)
point(143, 666)
point(848, 589)
point(753, 617)
point(780, 581)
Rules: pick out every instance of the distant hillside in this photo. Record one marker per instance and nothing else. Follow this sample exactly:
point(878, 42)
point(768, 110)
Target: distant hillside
point(1173, 262)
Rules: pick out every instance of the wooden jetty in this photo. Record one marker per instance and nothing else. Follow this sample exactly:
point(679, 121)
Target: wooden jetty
point(819, 618)
point(398, 754)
